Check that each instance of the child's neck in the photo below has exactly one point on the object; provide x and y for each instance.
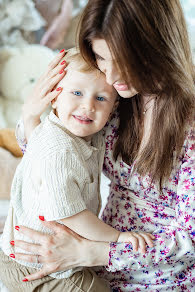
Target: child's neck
(87, 138)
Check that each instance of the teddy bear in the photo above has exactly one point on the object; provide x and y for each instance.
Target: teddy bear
(20, 68)
(19, 19)
(10, 156)
(8, 141)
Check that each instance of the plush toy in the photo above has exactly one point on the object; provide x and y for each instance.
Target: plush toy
(8, 164)
(62, 18)
(10, 156)
(19, 19)
(20, 68)
(8, 141)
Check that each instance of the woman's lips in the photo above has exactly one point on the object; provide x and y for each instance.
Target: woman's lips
(121, 87)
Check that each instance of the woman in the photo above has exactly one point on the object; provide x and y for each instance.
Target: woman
(143, 49)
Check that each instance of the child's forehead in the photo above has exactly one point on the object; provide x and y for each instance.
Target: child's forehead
(93, 80)
(74, 73)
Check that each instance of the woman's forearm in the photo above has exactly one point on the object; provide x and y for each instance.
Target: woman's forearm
(29, 126)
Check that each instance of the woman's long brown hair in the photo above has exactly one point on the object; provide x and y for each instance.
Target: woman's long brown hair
(149, 40)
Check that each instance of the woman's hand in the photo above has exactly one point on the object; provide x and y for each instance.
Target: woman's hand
(62, 250)
(43, 93)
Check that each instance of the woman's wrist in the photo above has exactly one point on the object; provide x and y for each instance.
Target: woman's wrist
(32, 119)
(96, 253)
(30, 123)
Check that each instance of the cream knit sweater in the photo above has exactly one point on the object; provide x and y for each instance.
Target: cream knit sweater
(58, 177)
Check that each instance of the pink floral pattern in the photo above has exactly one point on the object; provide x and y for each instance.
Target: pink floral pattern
(136, 204)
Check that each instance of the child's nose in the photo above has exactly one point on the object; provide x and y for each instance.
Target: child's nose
(88, 105)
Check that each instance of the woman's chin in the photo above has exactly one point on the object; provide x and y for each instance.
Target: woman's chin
(127, 93)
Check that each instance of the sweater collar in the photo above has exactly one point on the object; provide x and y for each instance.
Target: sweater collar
(86, 148)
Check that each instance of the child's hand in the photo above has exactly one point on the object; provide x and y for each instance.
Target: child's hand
(138, 240)
(43, 92)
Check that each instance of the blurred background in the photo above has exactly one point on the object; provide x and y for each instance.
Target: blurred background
(31, 33)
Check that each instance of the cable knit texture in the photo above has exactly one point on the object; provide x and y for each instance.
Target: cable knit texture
(58, 177)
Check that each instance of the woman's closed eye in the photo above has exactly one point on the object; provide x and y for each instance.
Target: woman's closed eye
(77, 93)
(98, 57)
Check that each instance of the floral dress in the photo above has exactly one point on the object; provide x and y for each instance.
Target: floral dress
(135, 204)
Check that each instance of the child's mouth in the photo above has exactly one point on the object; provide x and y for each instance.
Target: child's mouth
(83, 119)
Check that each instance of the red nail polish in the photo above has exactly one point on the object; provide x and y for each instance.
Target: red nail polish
(62, 51)
(42, 218)
(12, 242)
(62, 71)
(17, 228)
(59, 88)
(12, 255)
(25, 280)
(63, 62)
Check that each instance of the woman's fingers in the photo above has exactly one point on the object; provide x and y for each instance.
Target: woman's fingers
(31, 258)
(56, 60)
(61, 66)
(45, 271)
(38, 275)
(30, 247)
(49, 97)
(52, 65)
(34, 235)
(51, 83)
(37, 102)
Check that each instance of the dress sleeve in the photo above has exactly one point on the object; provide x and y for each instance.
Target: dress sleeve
(173, 244)
(20, 136)
(62, 183)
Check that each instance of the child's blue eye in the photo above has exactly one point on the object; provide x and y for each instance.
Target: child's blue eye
(77, 93)
(100, 98)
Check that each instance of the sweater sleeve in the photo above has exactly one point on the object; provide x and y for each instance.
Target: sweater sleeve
(61, 186)
(172, 244)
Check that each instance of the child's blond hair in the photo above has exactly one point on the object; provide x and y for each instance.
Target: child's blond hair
(73, 56)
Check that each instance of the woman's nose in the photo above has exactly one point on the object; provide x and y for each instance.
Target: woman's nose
(112, 74)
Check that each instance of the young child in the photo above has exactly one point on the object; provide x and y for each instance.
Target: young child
(59, 175)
